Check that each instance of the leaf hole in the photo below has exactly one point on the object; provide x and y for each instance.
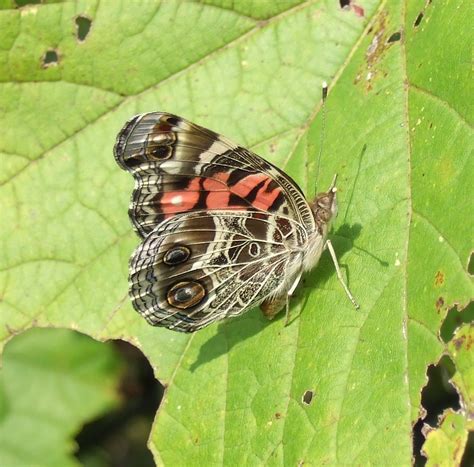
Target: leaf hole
(454, 319)
(83, 26)
(470, 264)
(121, 435)
(307, 398)
(437, 396)
(418, 19)
(351, 5)
(395, 37)
(50, 58)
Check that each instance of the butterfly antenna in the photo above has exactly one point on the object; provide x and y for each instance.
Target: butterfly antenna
(324, 93)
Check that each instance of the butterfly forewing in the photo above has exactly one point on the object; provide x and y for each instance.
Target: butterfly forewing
(181, 167)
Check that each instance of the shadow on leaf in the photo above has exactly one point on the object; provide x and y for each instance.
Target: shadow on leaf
(237, 330)
(229, 333)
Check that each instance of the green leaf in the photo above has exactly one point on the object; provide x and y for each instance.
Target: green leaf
(445, 445)
(398, 133)
(52, 381)
(460, 350)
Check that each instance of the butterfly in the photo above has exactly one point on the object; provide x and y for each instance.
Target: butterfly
(222, 230)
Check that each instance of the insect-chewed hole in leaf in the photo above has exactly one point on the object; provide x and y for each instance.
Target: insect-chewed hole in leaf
(121, 435)
(454, 319)
(395, 37)
(470, 265)
(344, 3)
(307, 397)
(50, 58)
(437, 396)
(418, 19)
(83, 26)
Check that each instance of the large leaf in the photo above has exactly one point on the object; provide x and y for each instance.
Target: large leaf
(398, 133)
(52, 381)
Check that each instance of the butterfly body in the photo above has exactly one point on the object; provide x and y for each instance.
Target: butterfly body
(222, 229)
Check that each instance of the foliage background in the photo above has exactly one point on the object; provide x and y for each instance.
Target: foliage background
(399, 136)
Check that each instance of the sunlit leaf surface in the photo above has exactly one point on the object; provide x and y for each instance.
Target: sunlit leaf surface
(398, 133)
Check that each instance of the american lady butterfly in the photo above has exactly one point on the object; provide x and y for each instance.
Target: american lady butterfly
(222, 229)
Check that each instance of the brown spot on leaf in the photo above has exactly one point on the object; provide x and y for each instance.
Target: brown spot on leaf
(439, 278)
(380, 43)
(278, 415)
(350, 5)
(469, 342)
(458, 343)
(439, 303)
(464, 340)
(358, 10)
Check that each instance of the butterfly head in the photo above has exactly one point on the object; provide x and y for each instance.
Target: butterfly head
(324, 206)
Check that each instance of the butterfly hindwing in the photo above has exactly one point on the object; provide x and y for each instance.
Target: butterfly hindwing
(200, 267)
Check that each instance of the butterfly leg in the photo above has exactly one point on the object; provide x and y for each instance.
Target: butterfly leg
(287, 310)
(290, 294)
(329, 246)
(271, 307)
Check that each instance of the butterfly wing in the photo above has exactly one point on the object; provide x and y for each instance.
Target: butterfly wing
(199, 267)
(181, 167)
